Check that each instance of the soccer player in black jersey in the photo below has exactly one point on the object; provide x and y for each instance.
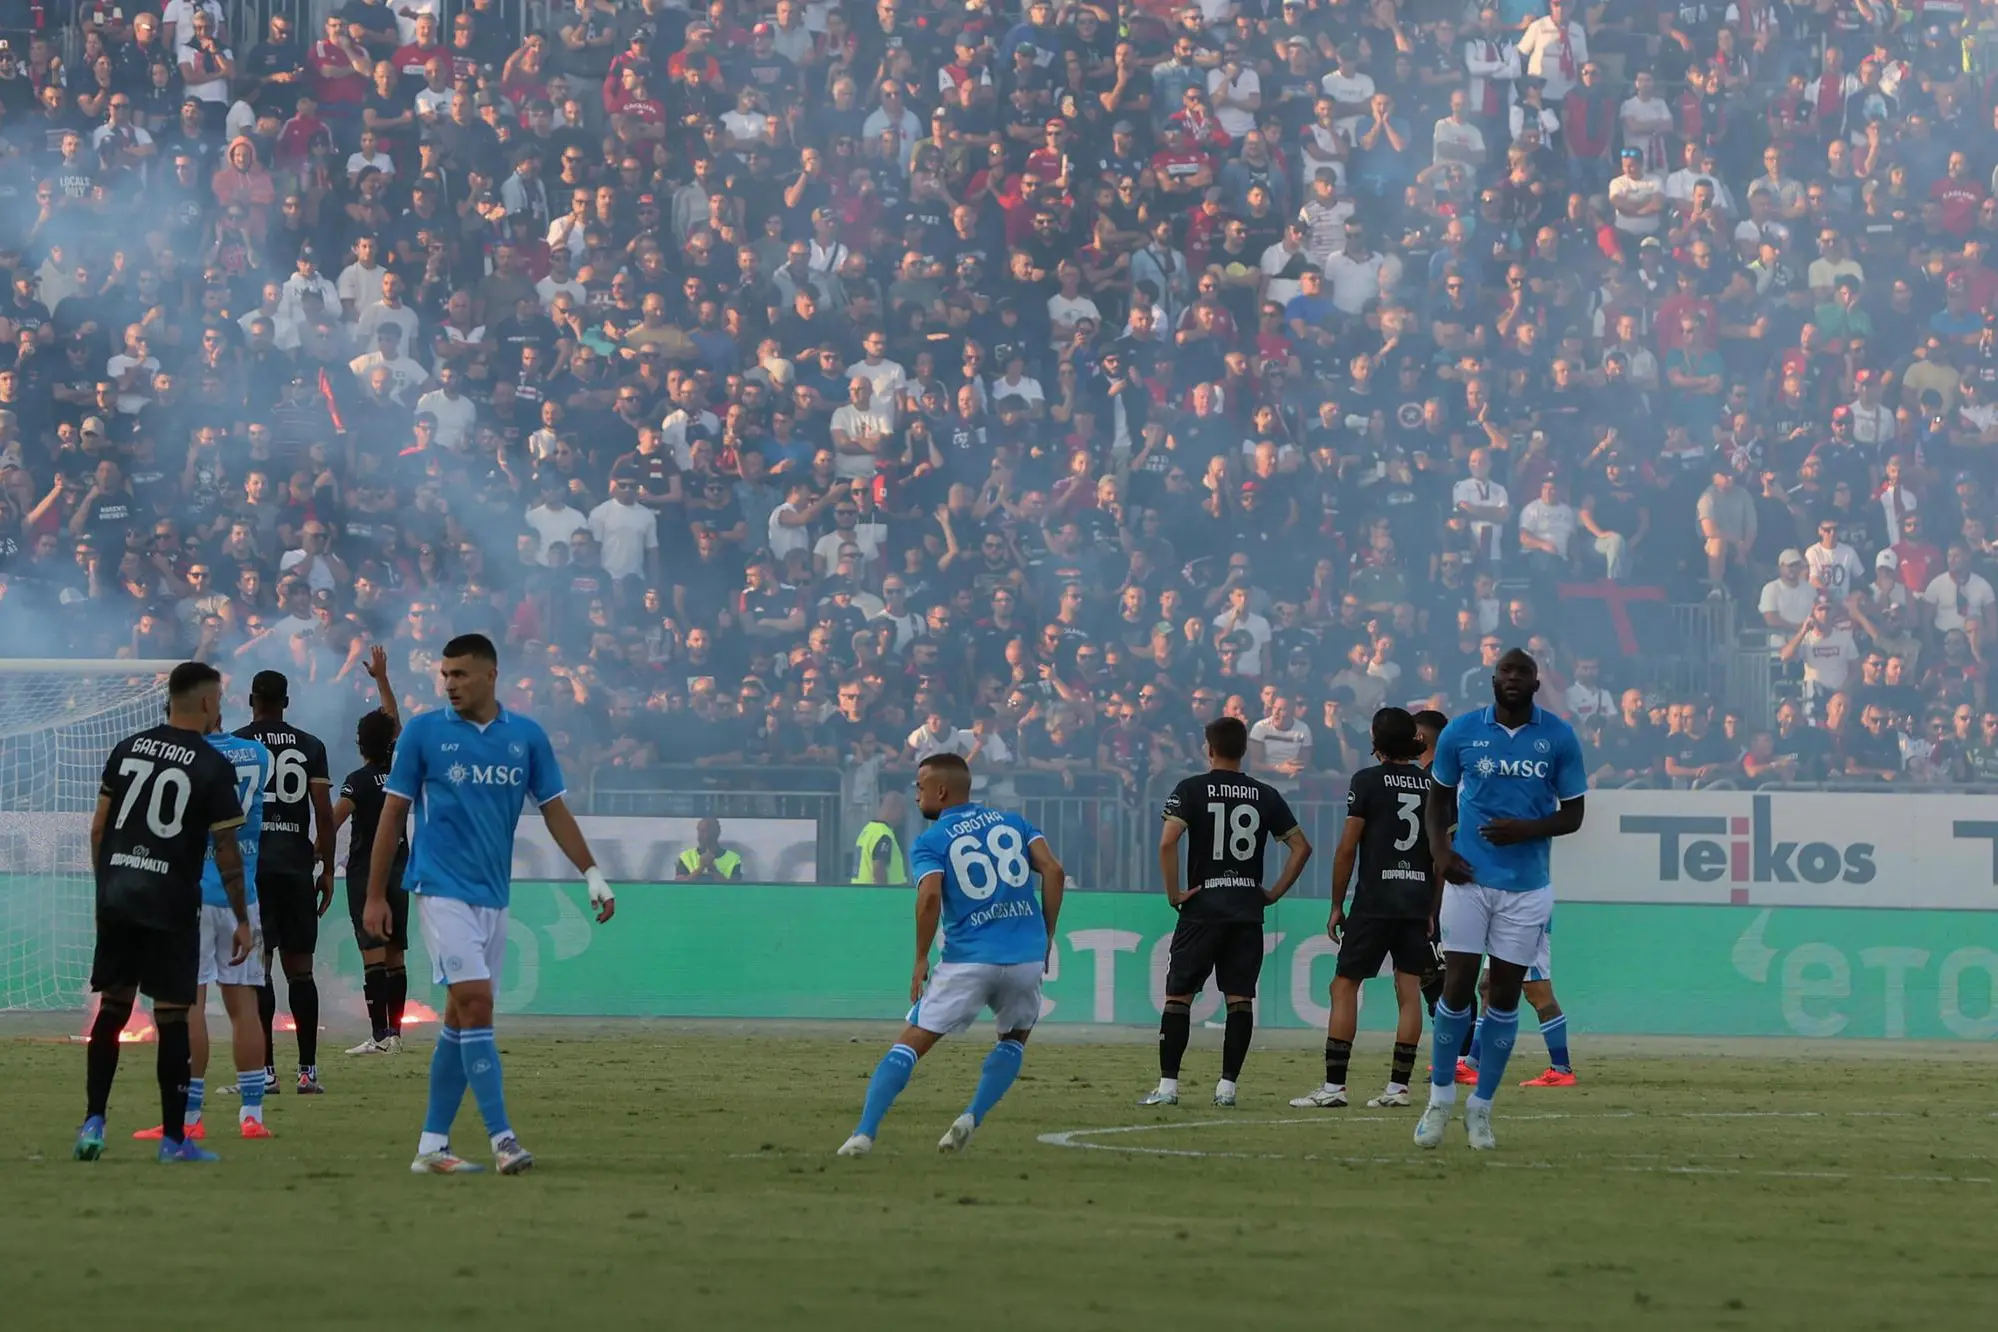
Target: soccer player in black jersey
(294, 869)
(1226, 819)
(1394, 901)
(384, 979)
(1429, 724)
(165, 792)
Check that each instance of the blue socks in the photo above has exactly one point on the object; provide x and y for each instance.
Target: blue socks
(481, 1063)
(995, 1077)
(1501, 1029)
(1555, 1033)
(1446, 1040)
(447, 1084)
(197, 1089)
(1470, 1055)
(891, 1075)
(250, 1084)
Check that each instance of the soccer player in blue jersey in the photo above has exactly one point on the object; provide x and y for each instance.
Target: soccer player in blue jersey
(1507, 781)
(974, 871)
(468, 769)
(241, 981)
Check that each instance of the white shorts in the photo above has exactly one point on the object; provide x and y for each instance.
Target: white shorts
(218, 940)
(959, 991)
(1511, 927)
(465, 942)
(1542, 966)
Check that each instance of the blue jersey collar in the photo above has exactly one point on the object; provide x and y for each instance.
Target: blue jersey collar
(480, 727)
(1491, 718)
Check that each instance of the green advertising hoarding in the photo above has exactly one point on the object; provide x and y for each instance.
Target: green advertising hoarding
(804, 952)
(796, 951)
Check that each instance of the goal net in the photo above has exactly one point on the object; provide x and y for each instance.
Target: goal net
(58, 719)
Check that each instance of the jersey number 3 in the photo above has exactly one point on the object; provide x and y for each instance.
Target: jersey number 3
(1411, 805)
(981, 865)
(1235, 829)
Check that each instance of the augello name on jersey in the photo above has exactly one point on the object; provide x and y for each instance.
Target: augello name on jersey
(161, 749)
(1406, 781)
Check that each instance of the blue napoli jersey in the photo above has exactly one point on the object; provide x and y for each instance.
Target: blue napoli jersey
(1501, 774)
(466, 784)
(991, 912)
(252, 763)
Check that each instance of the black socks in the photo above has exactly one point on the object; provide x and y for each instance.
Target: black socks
(101, 1061)
(374, 989)
(1235, 1040)
(174, 1070)
(1338, 1054)
(395, 997)
(1404, 1063)
(267, 1013)
(1175, 1028)
(304, 997)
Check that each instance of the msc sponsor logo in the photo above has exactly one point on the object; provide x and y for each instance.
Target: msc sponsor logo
(1504, 767)
(1708, 848)
(485, 774)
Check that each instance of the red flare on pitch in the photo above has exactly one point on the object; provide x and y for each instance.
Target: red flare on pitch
(415, 1014)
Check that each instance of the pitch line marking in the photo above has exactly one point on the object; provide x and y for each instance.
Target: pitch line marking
(1078, 1139)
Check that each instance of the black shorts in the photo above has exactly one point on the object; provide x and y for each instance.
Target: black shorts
(165, 965)
(398, 900)
(1371, 940)
(289, 910)
(1229, 950)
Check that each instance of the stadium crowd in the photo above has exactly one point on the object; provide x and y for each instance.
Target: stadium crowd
(817, 382)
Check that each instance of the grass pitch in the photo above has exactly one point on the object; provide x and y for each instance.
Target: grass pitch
(686, 1180)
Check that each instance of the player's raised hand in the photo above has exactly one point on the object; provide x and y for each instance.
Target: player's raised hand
(242, 943)
(918, 979)
(378, 662)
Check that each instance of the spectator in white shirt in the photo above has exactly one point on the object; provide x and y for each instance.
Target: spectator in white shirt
(1835, 568)
(406, 375)
(1238, 618)
(627, 531)
(1546, 525)
(1586, 697)
(454, 413)
(1484, 502)
(554, 519)
(1960, 599)
(937, 736)
(1279, 744)
(1787, 598)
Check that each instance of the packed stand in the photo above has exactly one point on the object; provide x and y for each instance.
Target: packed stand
(818, 384)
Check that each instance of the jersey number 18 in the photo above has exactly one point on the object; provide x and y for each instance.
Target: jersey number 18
(1235, 829)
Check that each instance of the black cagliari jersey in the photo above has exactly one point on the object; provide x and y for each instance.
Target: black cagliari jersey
(1396, 877)
(363, 790)
(298, 763)
(170, 790)
(1230, 818)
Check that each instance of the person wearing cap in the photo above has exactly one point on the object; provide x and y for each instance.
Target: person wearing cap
(1787, 599)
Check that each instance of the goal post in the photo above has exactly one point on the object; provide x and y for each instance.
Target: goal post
(58, 719)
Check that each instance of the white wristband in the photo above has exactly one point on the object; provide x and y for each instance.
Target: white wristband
(599, 886)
